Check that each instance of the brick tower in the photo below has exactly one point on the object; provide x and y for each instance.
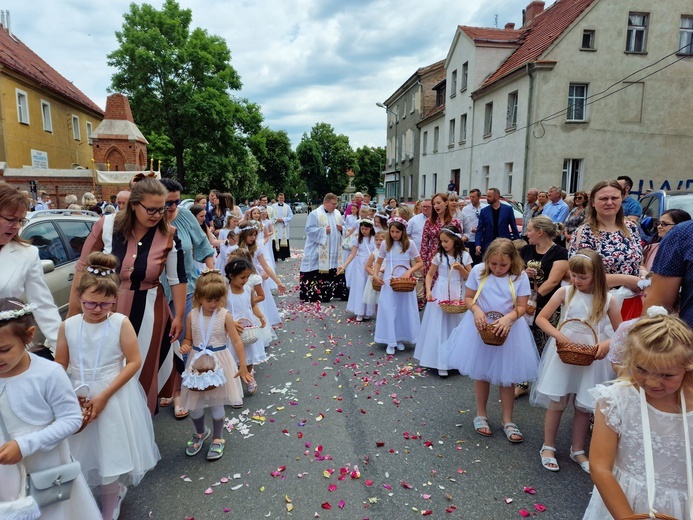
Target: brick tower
(117, 140)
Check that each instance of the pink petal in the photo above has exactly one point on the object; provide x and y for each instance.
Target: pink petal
(326, 505)
(540, 507)
(209, 491)
(524, 513)
(342, 503)
(406, 485)
(332, 487)
(387, 486)
(529, 490)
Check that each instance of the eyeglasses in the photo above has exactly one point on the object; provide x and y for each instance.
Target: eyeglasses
(578, 197)
(90, 306)
(153, 211)
(665, 224)
(15, 221)
(170, 203)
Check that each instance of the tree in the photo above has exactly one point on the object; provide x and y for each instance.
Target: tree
(178, 81)
(276, 159)
(369, 169)
(325, 158)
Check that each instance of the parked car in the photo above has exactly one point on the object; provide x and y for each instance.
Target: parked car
(657, 202)
(59, 235)
(299, 207)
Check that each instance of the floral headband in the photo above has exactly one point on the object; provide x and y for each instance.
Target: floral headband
(23, 310)
(458, 235)
(397, 219)
(250, 223)
(381, 215)
(103, 271)
(366, 221)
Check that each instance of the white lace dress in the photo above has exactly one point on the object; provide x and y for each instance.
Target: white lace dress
(620, 404)
(239, 305)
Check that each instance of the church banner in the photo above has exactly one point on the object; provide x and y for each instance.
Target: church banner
(111, 177)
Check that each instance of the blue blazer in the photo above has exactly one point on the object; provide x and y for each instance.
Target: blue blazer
(507, 227)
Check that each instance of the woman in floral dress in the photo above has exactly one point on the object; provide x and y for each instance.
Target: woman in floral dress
(440, 216)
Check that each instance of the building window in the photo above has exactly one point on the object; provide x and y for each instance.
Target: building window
(453, 81)
(411, 187)
(485, 174)
(686, 36)
(488, 120)
(402, 144)
(436, 137)
(423, 186)
(588, 40)
(22, 107)
(636, 40)
(511, 117)
(46, 113)
(412, 136)
(404, 108)
(508, 188)
(75, 128)
(89, 130)
(463, 128)
(440, 97)
(435, 183)
(425, 143)
(413, 101)
(577, 102)
(465, 76)
(572, 175)
(451, 140)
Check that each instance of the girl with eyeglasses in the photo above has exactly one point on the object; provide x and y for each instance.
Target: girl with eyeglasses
(146, 246)
(116, 448)
(668, 220)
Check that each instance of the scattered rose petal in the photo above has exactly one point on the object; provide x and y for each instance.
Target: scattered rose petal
(387, 486)
(227, 510)
(236, 488)
(209, 491)
(524, 513)
(540, 507)
(426, 512)
(529, 490)
(326, 505)
(332, 487)
(406, 485)
(320, 417)
(450, 509)
(342, 503)
(369, 483)
(426, 496)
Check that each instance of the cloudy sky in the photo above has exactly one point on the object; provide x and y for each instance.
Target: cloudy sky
(303, 61)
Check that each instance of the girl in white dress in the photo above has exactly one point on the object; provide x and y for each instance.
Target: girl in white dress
(453, 264)
(350, 231)
(268, 235)
(370, 295)
(357, 277)
(248, 240)
(239, 302)
(39, 412)
(211, 329)
(587, 299)
(659, 366)
(100, 348)
(398, 319)
(497, 284)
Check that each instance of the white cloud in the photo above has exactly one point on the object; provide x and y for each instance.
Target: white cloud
(303, 61)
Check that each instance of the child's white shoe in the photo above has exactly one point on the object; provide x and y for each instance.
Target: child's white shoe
(400, 346)
(390, 350)
(359, 318)
(584, 465)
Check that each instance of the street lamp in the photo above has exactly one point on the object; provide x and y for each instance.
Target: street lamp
(387, 110)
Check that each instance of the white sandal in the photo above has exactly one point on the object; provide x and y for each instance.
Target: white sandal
(584, 465)
(545, 461)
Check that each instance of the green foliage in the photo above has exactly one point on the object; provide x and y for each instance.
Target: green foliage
(370, 162)
(276, 160)
(178, 82)
(325, 158)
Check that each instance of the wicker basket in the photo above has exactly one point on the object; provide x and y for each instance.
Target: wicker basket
(532, 303)
(86, 413)
(488, 333)
(577, 353)
(402, 284)
(251, 333)
(452, 306)
(376, 285)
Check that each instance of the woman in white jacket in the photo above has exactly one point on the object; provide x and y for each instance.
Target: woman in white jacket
(21, 274)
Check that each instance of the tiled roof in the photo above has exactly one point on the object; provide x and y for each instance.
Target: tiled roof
(21, 59)
(539, 34)
(435, 110)
(488, 34)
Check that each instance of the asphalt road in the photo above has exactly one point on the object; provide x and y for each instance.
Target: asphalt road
(337, 430)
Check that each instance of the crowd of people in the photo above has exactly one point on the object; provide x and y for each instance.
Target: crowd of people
(175, 306)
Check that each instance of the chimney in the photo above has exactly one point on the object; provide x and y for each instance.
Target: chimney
(9, 26)
(533, 9)
(510, 26)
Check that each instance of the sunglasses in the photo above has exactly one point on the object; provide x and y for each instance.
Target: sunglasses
(579, 197)
(90, 306)
(153, 211)
(170, 203)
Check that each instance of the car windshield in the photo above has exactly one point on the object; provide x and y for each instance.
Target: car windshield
(684, 202)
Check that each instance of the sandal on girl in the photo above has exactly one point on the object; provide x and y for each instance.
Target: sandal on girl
(195, 444)
(548, 461)
(481, 423)
(180, 413)
(584, 465)
(511, 429)
(216, 450)
(165, 401)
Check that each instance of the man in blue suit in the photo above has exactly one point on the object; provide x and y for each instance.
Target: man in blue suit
(495, 220)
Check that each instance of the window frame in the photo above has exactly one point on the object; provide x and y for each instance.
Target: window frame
(488, 119)
(683, 33)
(425, 142)
(22, 108)
(511, 112)
(570, 111)
(47, 121)
(76, 131)
(463, 129)
(90, 129)
(633, 30)
(453, 80)
(436, 138)
(592, 33)
(423, 185)
(465, 76)
(451, 131)
(572, 180)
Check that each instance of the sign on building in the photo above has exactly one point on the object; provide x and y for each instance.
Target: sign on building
(39, 159)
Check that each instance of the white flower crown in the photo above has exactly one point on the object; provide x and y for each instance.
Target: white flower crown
(100, 271)
(23, 310)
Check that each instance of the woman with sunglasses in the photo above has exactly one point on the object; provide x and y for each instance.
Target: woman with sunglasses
(146, 245)
(577, 215)
(668, 220)
(22, 273)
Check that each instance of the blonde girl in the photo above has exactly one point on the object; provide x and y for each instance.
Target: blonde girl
(659, 381)
(586, 299)
(452, 264)
(497, 284)
(116, 448)
(398, 319)
(239, 302)
(209, 329)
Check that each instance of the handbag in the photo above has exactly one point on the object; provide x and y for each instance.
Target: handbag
(52, 485)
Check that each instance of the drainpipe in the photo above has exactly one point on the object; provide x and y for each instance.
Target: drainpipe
(471, 145)
(528, 130)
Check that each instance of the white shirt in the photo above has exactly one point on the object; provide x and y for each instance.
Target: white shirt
(415, 229)
(471, 220)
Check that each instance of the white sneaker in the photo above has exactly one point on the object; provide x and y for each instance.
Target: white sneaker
(359, 318)
(443, 373)
(122, 491)
(390, 350)
(400, 346)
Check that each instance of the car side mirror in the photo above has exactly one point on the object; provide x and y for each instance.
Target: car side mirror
(48, 266)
